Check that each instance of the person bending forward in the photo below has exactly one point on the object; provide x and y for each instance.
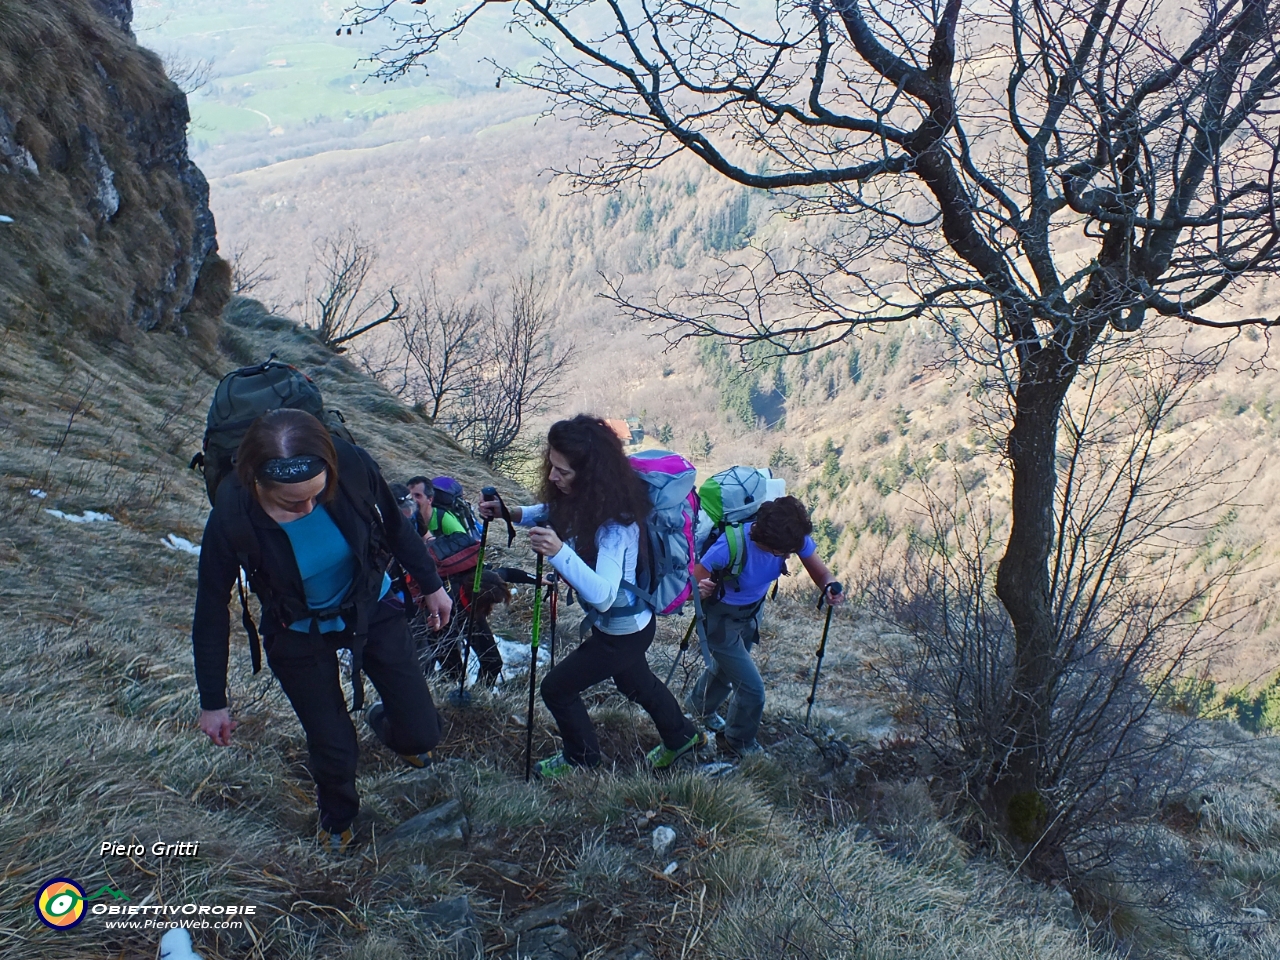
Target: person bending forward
(781, 527)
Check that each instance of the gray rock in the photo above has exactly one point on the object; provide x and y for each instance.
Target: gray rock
(545, 943)
(119, 12)
(552, 913)
(105, 201)
(444, 825)
(14, 157)
(632, 951)
(664, 839)
(506, 869)
(453, 922)
(449, 914)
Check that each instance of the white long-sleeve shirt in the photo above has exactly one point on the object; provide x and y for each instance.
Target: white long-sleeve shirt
(617, 553)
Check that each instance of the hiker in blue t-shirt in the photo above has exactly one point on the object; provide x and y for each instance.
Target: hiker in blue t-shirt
(781, 527)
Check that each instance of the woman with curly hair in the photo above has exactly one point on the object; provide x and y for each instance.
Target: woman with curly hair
(595, 506)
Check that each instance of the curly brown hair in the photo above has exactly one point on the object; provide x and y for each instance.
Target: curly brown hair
(782, 524)
(493, 591)
(605, 488)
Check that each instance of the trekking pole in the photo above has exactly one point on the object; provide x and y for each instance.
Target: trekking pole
(684, 645)
(533, 670)
(553, 609)
(834, 589)
(488, 493)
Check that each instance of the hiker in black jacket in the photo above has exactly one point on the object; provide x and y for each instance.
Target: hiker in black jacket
(311, 519)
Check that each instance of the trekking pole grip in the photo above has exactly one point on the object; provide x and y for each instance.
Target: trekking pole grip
(491, 493)
(832, 589)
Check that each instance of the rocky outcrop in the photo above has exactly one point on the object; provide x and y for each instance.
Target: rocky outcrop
(119, 12)
(111, 223)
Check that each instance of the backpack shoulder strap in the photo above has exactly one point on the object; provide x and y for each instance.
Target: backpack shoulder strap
(736, 535)
(353, 477)
(232, 502)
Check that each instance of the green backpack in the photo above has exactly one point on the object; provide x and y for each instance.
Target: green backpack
(244, 395)
(729, 499)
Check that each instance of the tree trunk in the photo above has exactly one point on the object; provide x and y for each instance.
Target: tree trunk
(1022, 584)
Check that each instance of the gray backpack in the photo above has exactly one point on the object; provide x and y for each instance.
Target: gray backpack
(242, 397)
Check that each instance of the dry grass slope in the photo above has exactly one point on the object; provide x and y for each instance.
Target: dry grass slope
(98, 740)
(799, 853)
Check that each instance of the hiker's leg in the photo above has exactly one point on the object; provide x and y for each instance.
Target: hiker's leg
(485, 649)
(637, 682)
(309, 678)
(713, 686)
(391, 665)
(592, 662)
(733, 660)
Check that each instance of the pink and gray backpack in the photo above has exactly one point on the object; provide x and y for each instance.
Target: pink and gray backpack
(665, 580)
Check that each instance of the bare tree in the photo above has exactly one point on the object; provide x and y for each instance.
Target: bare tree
(340, 309)
(1041, 179)
(189, 73)
(440, 351)
(1131, 625)
(518, 375)
(249, 270)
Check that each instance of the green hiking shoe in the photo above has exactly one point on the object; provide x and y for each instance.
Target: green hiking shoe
(376, 718)
(662, 756)
(554, 768)
(335, 843)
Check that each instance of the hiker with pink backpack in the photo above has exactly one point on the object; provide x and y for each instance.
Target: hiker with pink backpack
(600, 525)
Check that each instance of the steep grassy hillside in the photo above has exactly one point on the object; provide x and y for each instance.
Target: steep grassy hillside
(99, 741)
(107, 223)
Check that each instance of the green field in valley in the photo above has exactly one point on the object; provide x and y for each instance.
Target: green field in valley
(276, 67)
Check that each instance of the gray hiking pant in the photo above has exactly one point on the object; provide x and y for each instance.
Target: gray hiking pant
(731, 633)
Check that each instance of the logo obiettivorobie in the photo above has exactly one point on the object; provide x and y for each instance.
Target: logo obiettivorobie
(60, 902)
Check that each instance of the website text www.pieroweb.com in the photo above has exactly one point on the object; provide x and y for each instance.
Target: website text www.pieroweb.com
(62, 903)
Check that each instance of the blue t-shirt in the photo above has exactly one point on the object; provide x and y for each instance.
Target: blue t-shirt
(762, 568)
(326, 564)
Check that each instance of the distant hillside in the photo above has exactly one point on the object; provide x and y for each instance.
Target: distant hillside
(856, 428)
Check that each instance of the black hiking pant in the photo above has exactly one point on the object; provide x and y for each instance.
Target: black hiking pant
(483, 647)
(307, 669)
(598, 658)
(447, 647)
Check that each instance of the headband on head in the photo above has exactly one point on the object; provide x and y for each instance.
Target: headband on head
(292, 469)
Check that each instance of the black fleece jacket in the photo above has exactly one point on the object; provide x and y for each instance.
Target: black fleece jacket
(211, 624)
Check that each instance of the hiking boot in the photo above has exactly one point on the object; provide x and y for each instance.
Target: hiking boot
(554, 768)
(713, 722)
(662, 756)
(735, 749)
(334, 842)
(376, 718)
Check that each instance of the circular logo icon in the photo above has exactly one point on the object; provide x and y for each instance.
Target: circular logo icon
(60, 903)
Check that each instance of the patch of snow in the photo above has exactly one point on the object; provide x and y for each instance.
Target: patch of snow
(717, 769)
(515, 656)
(175, 542)
(89, 516)
(39, 494)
